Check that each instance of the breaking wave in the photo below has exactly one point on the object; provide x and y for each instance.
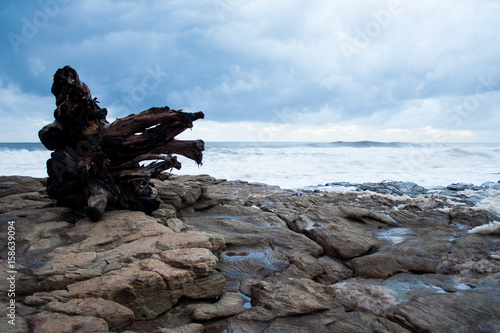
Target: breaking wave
(300, 165)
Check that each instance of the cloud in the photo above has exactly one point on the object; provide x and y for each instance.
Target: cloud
(21, 113)
(321, 133)
(381, 64)
(390, 131)
(245, 131)
(36, 65)
(439, 134)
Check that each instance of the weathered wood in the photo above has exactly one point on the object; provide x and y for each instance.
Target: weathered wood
(190, 149)
(96, 164)
(137, 135)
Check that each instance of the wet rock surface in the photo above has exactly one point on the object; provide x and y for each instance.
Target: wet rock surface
(223, 256)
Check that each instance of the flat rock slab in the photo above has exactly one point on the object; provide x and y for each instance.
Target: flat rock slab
(62, 323)
(344, 240)
(289, 297)
(343, 231)
(416, 255)
(230, 304)
(471, 311)
(117, 316)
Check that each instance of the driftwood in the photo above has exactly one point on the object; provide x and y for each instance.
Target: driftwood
(96, 164)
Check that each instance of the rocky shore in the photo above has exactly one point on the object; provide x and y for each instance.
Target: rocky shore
(226, 256)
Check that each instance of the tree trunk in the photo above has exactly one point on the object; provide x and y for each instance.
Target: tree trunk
(96, 164)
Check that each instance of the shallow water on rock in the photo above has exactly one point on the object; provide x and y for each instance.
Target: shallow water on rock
(405, 286)
(241, 254)
(393, 235)
(250, 263)
(248, 303)
(313, 225)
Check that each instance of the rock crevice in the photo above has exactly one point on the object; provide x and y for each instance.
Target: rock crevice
(242, 257)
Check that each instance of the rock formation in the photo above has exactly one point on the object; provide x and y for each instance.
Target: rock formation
(220, 256)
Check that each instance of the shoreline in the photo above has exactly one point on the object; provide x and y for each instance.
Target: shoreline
(231, 255)
(468, 192)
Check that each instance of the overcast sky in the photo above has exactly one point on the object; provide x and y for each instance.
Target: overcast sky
(281, 70)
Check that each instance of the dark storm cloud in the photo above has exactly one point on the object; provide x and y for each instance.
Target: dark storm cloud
(385, 64)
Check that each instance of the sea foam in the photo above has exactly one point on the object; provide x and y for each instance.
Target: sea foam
(492, 228)
(301, 165)
(491, 202)
(23, 162)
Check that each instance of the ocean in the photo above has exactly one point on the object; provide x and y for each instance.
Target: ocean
(309, 165)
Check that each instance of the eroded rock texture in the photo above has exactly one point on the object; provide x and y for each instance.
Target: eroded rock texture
(221, 256)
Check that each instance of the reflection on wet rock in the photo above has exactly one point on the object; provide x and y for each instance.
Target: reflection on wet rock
(222, 256)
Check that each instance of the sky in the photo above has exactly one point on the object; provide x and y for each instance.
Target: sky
(281, 70)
